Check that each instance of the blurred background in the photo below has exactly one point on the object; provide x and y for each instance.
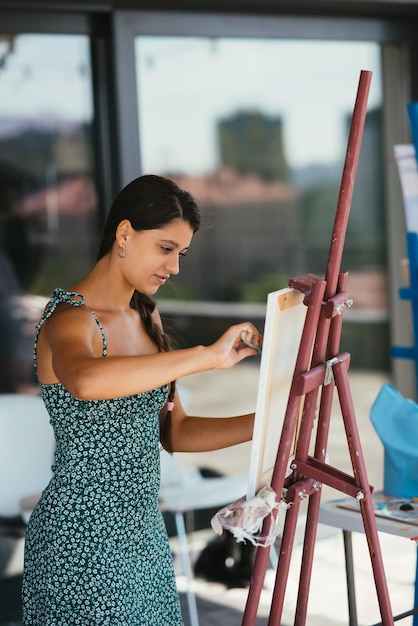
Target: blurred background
(248, 106)
(251, 113)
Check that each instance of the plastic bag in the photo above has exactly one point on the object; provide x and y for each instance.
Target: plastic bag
(244, 518)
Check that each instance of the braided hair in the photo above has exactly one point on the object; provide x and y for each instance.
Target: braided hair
(150, 202)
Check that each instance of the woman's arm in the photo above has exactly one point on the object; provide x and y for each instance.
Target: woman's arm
(183, 433)
(71, 337)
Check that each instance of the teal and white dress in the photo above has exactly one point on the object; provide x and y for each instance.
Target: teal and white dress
(96, 548)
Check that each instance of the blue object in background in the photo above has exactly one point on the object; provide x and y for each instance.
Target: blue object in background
(395, 420)
(411, 293)
(413, 122)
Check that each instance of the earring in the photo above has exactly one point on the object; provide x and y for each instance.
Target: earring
(121, 252)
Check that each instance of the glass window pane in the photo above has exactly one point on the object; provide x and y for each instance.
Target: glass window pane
(47, 194)
(258, 130)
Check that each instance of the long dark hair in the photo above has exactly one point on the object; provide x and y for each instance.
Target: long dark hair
(150, 202)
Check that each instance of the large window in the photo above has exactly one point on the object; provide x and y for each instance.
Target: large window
(47, 195)
(257, 130)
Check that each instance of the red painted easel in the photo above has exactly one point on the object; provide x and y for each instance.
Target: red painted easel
(319, 369)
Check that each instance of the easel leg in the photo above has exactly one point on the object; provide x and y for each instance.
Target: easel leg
(307, 559)
(366, 504)
(262, 555)
(282, 572)
(313, 508)
(256, 587)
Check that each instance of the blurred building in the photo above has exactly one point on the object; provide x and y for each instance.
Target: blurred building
(252, 142)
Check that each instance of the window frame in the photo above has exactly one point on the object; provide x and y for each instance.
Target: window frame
(98, 28)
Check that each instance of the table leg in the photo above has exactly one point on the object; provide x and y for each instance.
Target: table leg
(415, 620)
(349, 569)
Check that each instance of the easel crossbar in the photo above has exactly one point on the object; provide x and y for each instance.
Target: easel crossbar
(309, 381)
(330, 476)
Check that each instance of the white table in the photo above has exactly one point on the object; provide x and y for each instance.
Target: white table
(332, 514)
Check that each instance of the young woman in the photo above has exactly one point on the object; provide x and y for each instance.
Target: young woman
(96, 550)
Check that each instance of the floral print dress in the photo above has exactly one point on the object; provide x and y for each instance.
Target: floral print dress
(96, 548)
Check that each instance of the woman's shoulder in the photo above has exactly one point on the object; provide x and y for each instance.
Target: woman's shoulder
(63, 304)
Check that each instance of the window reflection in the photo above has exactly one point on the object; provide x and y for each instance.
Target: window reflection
(257, 130)
(47, 194)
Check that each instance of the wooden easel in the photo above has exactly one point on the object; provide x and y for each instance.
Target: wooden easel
(319, 366)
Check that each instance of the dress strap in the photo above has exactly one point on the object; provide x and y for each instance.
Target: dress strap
(69, 297)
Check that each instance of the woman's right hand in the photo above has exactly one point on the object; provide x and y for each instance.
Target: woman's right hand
(230, 348)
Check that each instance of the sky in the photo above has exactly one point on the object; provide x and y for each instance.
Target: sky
(186, 85)
(47, 75)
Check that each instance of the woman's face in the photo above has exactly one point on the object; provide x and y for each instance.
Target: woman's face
(152, 256)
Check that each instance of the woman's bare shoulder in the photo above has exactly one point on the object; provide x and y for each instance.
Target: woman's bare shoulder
(68, 320)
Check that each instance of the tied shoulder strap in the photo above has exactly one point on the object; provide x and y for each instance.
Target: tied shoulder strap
(69, 297)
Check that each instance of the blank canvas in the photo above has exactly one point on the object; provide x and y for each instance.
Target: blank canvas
(285, 318)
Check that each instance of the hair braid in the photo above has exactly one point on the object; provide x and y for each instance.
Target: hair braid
(145, 307)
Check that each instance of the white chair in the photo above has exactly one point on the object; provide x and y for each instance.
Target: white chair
(187, 490)
(26, 451)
